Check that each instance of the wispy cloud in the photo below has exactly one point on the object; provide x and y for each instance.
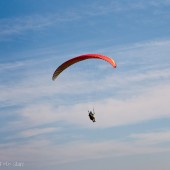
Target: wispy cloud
(148, 88)
(19, 25)
(37, 101)
(45, 123)
(45, 151)
(36, 132)
(152, 138)
(13, 66)
(151, 104)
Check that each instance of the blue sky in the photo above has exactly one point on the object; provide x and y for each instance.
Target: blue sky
(44, 123)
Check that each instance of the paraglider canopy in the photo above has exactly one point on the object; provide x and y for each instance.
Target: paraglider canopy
(81, 58)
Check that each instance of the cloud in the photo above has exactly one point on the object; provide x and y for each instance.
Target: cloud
(129, 94)
(12, 66)
(44, 111)
(110, 112)
(152, 104)
(41, 153)
(19, 25)
(36, 131)
(152, 138)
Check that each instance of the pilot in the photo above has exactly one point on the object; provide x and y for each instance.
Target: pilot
(91, 116)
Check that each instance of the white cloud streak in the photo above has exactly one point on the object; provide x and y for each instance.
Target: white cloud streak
(152, 104)
(31, 23)
(13, 26)
(149, 103)
(152, 138)
(37, 131)
(45, 151)
(148, 92)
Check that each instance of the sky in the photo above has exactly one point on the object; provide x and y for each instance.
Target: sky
(44, 124)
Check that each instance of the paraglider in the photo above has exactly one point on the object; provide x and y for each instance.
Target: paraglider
(91, 115)
(72, 61)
